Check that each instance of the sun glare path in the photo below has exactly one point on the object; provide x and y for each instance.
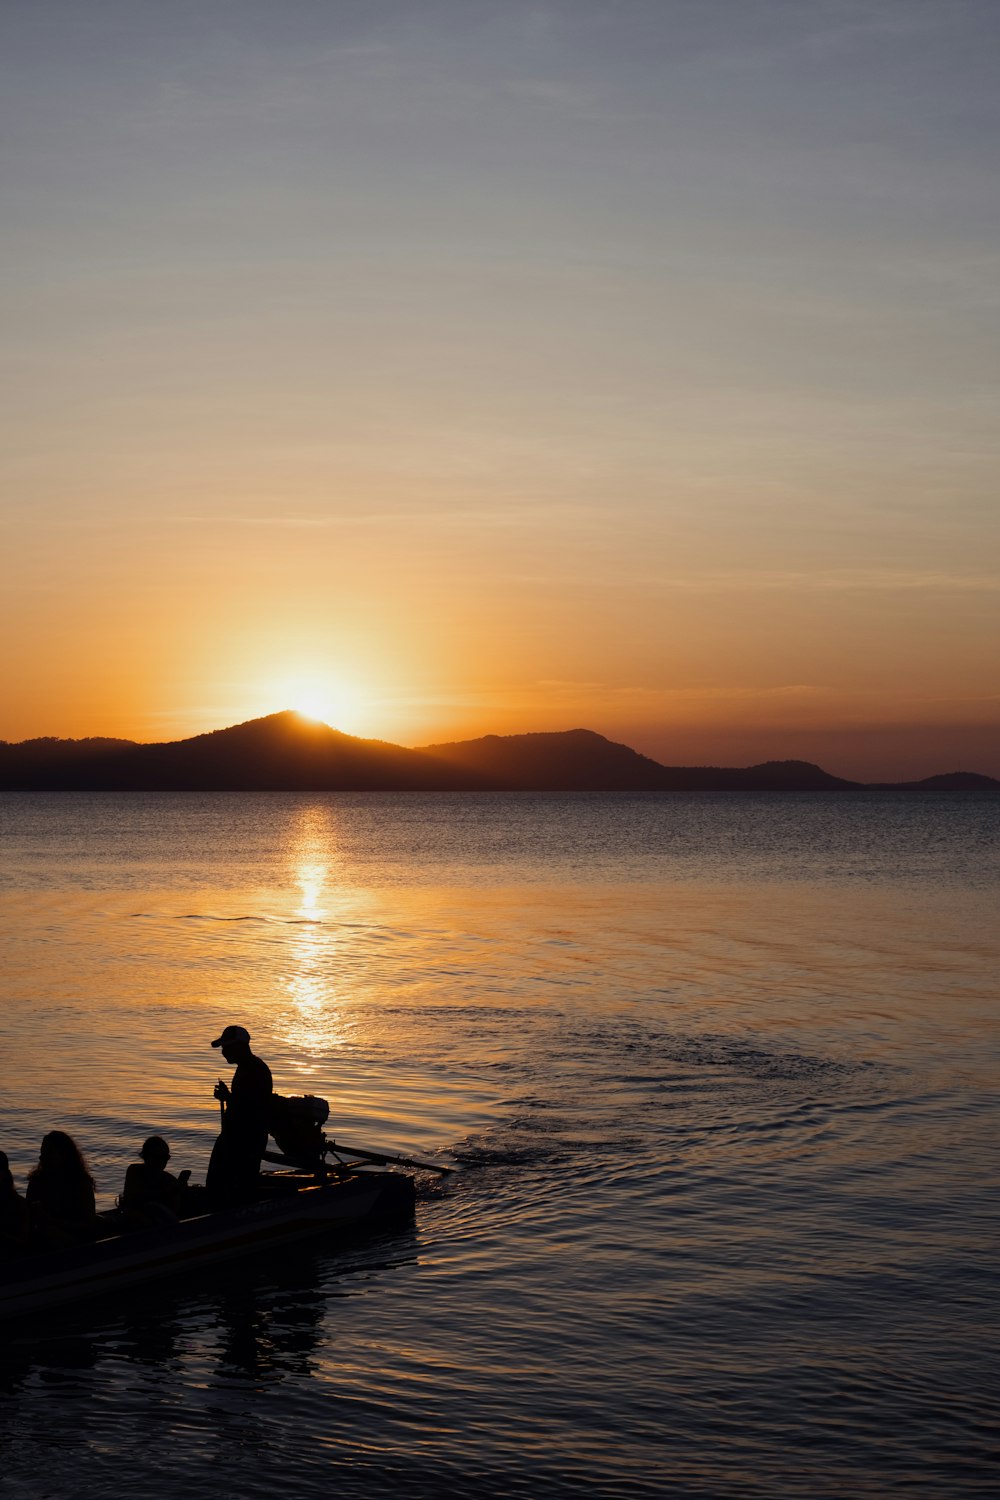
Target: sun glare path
(312, 1023)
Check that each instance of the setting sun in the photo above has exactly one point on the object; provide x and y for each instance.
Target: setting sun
(337, 703)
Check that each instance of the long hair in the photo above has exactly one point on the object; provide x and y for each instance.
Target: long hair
(60, 1156)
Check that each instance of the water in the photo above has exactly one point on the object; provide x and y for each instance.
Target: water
(717, 1076)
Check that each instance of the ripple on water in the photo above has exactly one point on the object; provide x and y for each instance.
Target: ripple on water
(723, 1214)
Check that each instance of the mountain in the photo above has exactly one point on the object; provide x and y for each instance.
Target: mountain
(571, 760)
(50, 751)
(951, 781)
(580, 760)
(285, 752)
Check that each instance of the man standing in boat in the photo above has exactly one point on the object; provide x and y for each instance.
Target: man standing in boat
(246, 1111)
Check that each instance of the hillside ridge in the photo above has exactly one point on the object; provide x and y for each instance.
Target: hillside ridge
(286, 752)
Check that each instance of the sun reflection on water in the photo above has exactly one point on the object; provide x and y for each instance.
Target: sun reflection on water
(314, 1021)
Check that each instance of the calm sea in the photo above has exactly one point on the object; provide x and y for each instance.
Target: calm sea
(717, 1075)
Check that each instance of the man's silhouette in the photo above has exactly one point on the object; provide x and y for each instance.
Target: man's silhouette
(246, 1110)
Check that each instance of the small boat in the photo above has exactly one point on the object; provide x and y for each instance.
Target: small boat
(324, 1185)
(292, 1206)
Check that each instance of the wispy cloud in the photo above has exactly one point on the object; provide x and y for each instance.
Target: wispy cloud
(845, 580)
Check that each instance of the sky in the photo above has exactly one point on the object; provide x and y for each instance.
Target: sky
(449, 367)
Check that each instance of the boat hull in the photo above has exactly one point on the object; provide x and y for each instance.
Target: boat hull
(365, 1200)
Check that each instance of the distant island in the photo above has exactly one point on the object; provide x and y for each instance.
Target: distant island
(285, 752)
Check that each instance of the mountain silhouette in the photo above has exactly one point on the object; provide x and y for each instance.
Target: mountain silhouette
(543, 762)
(282, 752)
(951, 781)
(286, 752)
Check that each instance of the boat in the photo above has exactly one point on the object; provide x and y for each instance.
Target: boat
(292, 1206)
(322, 1186)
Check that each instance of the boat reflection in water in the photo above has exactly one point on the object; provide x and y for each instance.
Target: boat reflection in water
(261, 1320)
(291, 1206)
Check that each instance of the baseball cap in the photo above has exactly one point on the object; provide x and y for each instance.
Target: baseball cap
(232, 1034)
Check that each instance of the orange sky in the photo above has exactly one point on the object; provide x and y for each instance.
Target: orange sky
(483, 375)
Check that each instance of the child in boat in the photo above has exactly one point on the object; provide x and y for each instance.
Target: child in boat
(60, 1195)
(151, 1193)
(13, 1214)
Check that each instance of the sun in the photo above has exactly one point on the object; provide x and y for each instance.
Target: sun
(339, 703)
(314, 706)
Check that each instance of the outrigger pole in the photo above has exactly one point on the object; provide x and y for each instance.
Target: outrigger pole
(335, 1148)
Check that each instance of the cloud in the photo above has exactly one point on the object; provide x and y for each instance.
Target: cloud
(846, 580)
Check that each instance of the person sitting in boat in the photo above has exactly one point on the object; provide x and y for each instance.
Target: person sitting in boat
(13, 1214)
(234, 1168)
(151, 1194)
(60, 1195)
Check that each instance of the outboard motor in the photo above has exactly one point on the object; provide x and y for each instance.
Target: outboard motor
(297, 1127)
